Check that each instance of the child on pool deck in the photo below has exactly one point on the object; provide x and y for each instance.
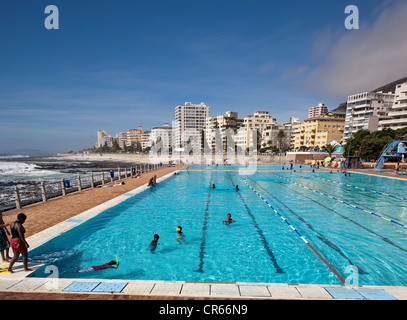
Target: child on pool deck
(4, 242)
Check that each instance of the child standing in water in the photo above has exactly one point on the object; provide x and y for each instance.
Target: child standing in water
(153, 244)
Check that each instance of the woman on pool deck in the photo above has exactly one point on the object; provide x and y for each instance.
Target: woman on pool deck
(18, 242)
(95, 268)
(229, 219)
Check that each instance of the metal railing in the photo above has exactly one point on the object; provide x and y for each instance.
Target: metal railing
(20, 197)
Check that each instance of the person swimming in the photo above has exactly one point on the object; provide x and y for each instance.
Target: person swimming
(180, 235)
(95, 268)
(213, 186)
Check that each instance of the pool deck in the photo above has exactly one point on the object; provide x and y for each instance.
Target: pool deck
(49, 219)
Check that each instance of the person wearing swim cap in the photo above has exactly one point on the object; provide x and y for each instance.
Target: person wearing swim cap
(180, 235)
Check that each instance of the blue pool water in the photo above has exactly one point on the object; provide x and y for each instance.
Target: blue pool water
(327, 209)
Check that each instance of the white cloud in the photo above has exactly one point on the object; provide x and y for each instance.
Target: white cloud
(363, 59)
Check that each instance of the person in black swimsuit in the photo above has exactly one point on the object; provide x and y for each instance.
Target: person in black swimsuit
(18, 242)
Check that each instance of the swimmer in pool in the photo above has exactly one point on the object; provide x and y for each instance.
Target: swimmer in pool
(180, 235)
(213, 186)
(153, 244)
(95, 268)
(229, 219)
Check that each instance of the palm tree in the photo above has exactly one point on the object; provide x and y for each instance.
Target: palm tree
(280, 137)
(330, 148)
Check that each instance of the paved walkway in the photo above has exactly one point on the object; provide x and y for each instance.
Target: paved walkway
(43, 215)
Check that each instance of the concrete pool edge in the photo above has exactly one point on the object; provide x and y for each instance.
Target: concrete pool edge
(20, 283)
(185, 290)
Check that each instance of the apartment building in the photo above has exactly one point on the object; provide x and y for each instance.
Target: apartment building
(146, 140)
(222, 127)
(319, 131)
(162, 134)
(134, 138)
(317, 111)
(397, 115)
(365, 111)
(189, 122)
(101, 135)
(121, 139)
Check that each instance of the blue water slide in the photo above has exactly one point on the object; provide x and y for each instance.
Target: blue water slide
(388, 149)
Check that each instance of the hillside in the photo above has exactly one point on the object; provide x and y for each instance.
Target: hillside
(391, 87)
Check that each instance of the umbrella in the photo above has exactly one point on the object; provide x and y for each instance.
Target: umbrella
(327, 159)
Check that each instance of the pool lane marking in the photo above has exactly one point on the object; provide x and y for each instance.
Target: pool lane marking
(298, 233)
(309, 225)
(346, 218)
(364, 189)
(260, 232)
(344, 202)
(202, 247)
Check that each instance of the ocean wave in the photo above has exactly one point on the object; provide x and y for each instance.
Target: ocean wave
(14, 156)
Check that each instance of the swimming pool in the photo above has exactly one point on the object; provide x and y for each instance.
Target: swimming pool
(354, 220)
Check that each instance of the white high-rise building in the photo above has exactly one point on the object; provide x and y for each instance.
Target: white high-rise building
(101, 134)
(398, 113)
(225, 126)
(122, 140)
(189, 123)
(365, 110)
(162, 134)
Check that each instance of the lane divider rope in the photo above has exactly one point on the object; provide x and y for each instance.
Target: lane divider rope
(364, 189)
(297, 232)
(344, 202)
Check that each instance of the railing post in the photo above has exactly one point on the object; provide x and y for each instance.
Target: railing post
(44, 195)
(17, 196)
(79, 183)
(63, 187)
(92, 181)
(103, 178)
(118, 173)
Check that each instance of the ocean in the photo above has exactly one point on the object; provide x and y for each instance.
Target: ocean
(27, 172)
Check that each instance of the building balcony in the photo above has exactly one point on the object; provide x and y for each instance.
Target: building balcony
(400, 105)
(393, 121)
(397, 113)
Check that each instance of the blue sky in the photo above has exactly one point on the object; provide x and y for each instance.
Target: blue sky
(116, 65)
